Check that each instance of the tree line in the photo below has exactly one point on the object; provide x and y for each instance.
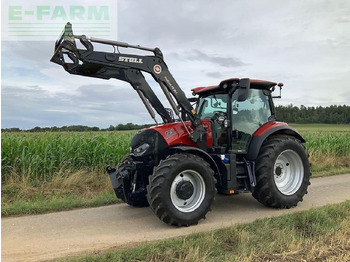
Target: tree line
(79, 128)
(301, 115)
(291, 114)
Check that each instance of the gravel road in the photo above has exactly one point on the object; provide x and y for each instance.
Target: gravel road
(55, 235)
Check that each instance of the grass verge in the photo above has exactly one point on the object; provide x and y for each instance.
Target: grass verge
(20, 196)
(78, 190)
(68, 202)
(331, 172)
(320, 234)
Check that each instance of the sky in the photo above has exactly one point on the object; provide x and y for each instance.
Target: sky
(304, 44)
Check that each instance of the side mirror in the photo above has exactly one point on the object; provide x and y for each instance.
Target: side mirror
(192, 99)
(280, 86)
(244, 85)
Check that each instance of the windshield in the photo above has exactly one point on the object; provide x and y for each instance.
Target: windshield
(208, 106)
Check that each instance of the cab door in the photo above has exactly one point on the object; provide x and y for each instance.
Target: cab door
(214, 107)
(248, 116)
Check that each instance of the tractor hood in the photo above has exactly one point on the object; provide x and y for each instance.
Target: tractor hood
(154, 140)
(175, 133)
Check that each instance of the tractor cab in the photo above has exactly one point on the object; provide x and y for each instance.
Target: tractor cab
(235, 112)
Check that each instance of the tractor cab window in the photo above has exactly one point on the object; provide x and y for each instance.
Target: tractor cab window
(214, 108)
(247, 117)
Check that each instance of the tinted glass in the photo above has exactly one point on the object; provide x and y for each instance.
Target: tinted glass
(248, 116)
(209, 105)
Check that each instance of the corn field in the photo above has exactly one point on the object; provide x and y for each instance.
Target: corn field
(39, 156)
(328, 144)
(42, 155)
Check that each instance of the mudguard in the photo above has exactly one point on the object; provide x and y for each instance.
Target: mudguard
(201, 153)
(266, 130)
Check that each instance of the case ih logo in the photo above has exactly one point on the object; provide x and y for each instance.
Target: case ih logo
(169, 132)
(130, 59)
(157, 69)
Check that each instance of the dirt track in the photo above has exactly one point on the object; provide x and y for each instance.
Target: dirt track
(49, 236)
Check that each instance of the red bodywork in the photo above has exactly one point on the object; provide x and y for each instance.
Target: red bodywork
(175, 133)
(267, 126)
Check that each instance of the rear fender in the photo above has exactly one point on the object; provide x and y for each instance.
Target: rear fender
(267, 130)
(201, 153)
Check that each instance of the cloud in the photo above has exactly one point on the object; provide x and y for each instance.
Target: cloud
(303, 44)
(94, 105)
(223, 61)
(214, 74)
(343, 19)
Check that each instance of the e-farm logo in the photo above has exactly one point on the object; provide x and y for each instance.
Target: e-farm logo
(45, 19)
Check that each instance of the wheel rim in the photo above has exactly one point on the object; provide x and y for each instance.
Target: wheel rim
(197, 197)
(288, 172)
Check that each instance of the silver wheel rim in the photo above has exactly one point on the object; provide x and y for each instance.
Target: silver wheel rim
(288, 172)
(192, 203)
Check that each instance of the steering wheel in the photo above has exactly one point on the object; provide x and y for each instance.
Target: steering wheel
(219, 117)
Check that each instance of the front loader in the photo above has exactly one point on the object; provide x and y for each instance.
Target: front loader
(229, 143)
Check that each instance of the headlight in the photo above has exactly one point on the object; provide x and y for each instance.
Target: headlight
(140, 150)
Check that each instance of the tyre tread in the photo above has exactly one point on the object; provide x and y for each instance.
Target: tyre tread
(263, 191)
(157, 179)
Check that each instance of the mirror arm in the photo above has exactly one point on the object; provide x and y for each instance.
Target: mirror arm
(280, 96)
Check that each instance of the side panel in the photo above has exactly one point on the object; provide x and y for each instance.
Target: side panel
(175, 133)
(266, 130)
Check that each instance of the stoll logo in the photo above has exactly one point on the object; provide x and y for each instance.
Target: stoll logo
(44, 19)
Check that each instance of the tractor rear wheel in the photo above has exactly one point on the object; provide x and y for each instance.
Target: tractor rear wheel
(181, 189)
(282, 172)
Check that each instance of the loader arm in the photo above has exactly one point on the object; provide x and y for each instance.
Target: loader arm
(129, 68)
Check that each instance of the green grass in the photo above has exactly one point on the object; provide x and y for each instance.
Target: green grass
(328, 146)
(321, 127)
(41, 155)
(56, 203)
(320, 234)
(63, 192)
(44, 167)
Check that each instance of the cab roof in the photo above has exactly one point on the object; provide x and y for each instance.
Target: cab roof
(254, 83)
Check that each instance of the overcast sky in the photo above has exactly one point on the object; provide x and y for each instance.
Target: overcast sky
(304, 44)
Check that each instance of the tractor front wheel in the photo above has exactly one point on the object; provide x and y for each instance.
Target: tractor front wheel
(181, 189)
(282, 172)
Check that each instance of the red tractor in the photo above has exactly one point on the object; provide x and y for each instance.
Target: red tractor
(229, 143)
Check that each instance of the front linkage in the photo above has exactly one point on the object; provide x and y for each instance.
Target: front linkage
(124, 181)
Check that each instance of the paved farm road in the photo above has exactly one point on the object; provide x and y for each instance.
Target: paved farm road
(49, 236)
